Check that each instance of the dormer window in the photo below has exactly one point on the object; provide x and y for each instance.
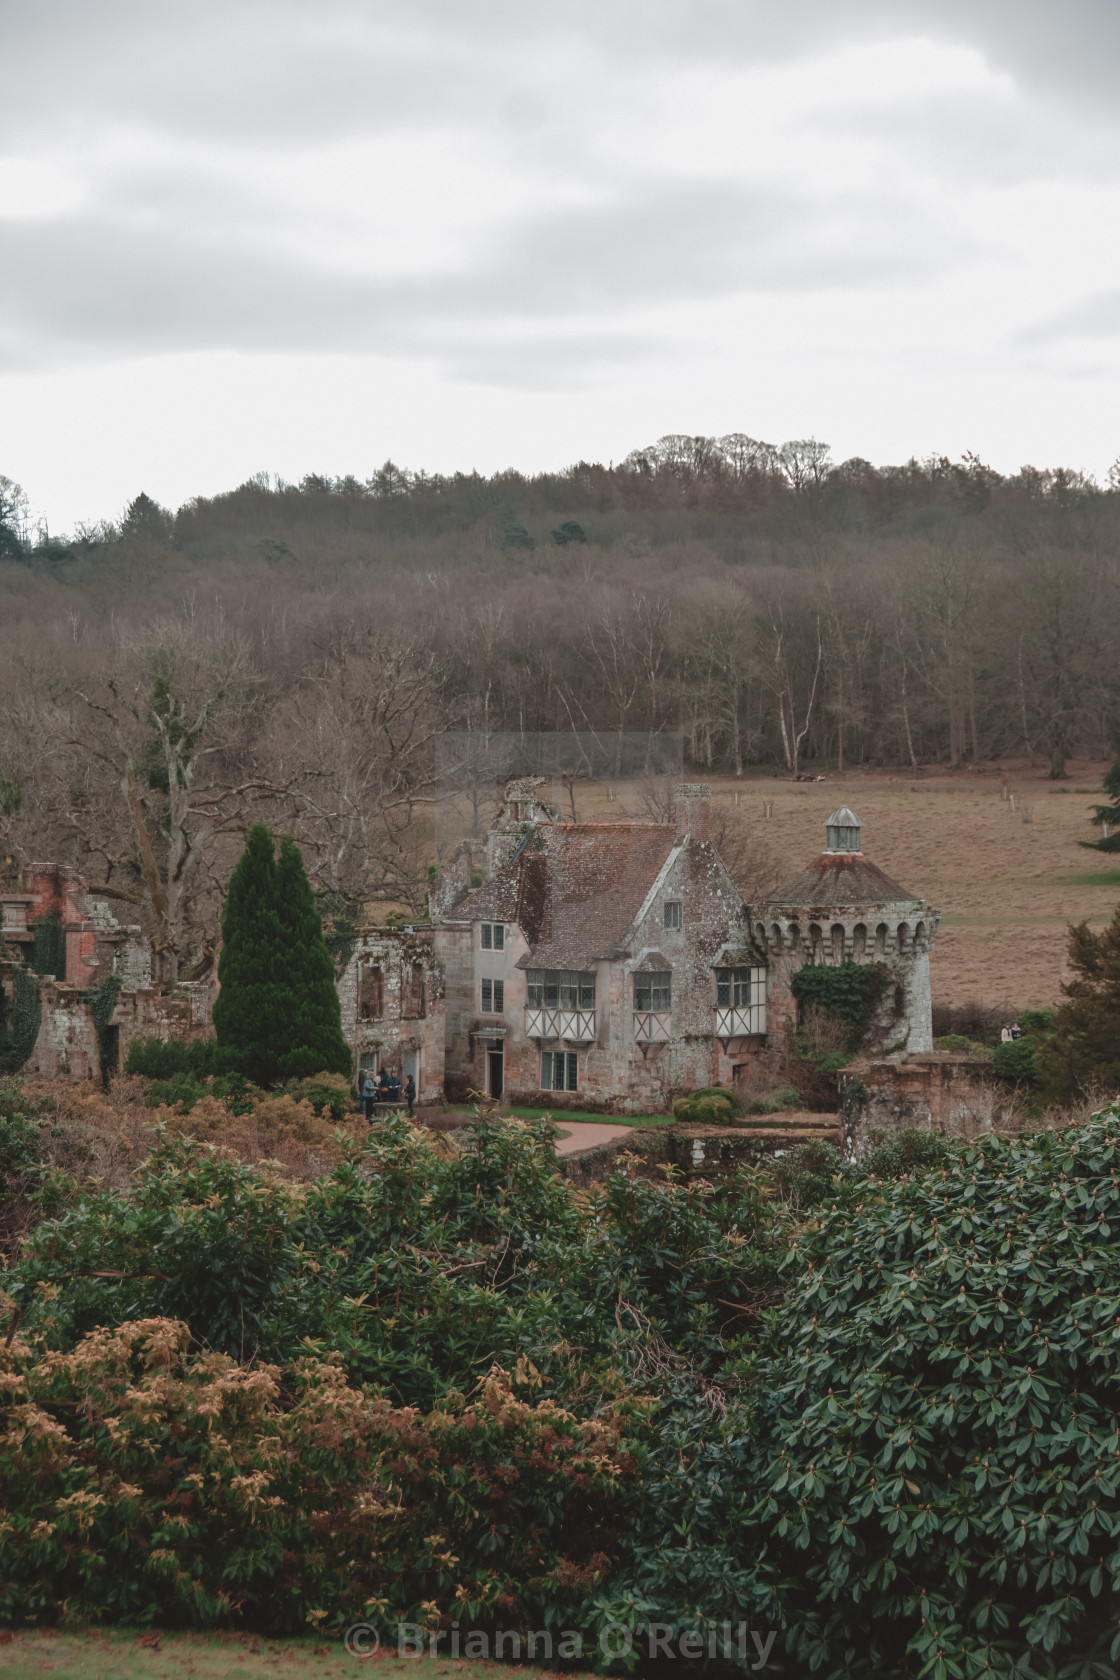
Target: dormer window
(842, 830)
(493, 936)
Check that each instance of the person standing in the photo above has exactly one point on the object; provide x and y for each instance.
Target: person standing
(1005, 1035)
(410, 1093)
(367, 1094)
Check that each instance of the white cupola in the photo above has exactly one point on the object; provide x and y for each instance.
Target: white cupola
(842, 830)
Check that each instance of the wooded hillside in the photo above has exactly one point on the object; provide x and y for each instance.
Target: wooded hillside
(290, 652)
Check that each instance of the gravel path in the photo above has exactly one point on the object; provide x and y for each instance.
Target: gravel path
(586, 1134)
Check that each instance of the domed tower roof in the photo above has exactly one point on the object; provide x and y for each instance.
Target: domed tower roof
(841, 874)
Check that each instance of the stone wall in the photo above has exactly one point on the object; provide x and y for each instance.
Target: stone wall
(934, 1092)
(391, 994)
(67, 1046)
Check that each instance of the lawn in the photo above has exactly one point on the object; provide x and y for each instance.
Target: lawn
(97, 1654)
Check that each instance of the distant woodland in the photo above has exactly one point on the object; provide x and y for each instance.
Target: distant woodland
(289, 652)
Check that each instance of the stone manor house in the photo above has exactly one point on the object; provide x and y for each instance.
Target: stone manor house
(588, 965)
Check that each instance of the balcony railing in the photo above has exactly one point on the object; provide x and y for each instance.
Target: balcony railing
(577, 1026)
(652, 1026)
(740, 1023)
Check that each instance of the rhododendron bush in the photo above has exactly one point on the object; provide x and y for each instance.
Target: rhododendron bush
(443, 1384)
(146, 1482)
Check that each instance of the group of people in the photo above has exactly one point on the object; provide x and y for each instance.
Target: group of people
(386, 1088)
(1010, 1032)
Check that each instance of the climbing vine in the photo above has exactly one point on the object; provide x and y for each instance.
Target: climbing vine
(339, 929)
(102, 1002)
(849, 991)
(48, 954)
(20, 1019)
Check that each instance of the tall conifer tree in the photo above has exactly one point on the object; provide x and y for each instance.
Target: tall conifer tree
(277, 1015)
(249, 1009)
(1109, 814)
(315, 1041)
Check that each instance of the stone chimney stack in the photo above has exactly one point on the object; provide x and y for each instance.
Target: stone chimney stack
(693, 804)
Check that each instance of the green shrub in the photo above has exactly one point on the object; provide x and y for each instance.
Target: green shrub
(236, 1092)
(485, 1252)
(1016, 1061)
(908, 1151)
(713, 1106)
(808, 1173)
(329, 1093)
(775, 1102)
(180, 1088)
(953, 1041)
(164, 1058)
(20, 1139)
(941, 1462)
(831, 1061)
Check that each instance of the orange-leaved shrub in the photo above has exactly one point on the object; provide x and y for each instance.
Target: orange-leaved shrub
(143, 1481)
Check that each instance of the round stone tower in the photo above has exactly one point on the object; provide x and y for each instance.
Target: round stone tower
(843, 908)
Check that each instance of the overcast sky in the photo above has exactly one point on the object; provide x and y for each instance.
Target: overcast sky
(305, 236)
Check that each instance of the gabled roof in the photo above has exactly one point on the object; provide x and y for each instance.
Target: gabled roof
(836, 878)
(574, 889)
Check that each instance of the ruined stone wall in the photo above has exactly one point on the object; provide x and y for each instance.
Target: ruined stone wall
(454, 945)
(931, 1092)
(403, 1031)
(67, 1046)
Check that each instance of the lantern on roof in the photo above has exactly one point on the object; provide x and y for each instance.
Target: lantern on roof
(842, 830)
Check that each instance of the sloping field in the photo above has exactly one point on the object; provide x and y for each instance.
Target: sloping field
(1007, 889)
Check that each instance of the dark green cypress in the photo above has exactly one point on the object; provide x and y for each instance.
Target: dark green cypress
(315, 1042)
(251, 1009)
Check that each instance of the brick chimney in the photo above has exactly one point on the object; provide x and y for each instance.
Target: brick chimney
(692, 802)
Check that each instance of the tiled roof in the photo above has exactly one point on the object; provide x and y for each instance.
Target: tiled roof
(841, 878)
(575, 888)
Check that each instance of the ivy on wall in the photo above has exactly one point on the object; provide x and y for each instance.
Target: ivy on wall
(48, 954)
(849, 991)
(102, 1002)
(20, 1019)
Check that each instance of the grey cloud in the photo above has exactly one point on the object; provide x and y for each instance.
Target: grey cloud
(281, 68)
(550, 361)
(962, 140)
(180, 255)
(1097, 316)
(102, 286)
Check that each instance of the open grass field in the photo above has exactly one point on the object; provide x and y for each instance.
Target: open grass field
(1007, 889)
(99, 1654)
